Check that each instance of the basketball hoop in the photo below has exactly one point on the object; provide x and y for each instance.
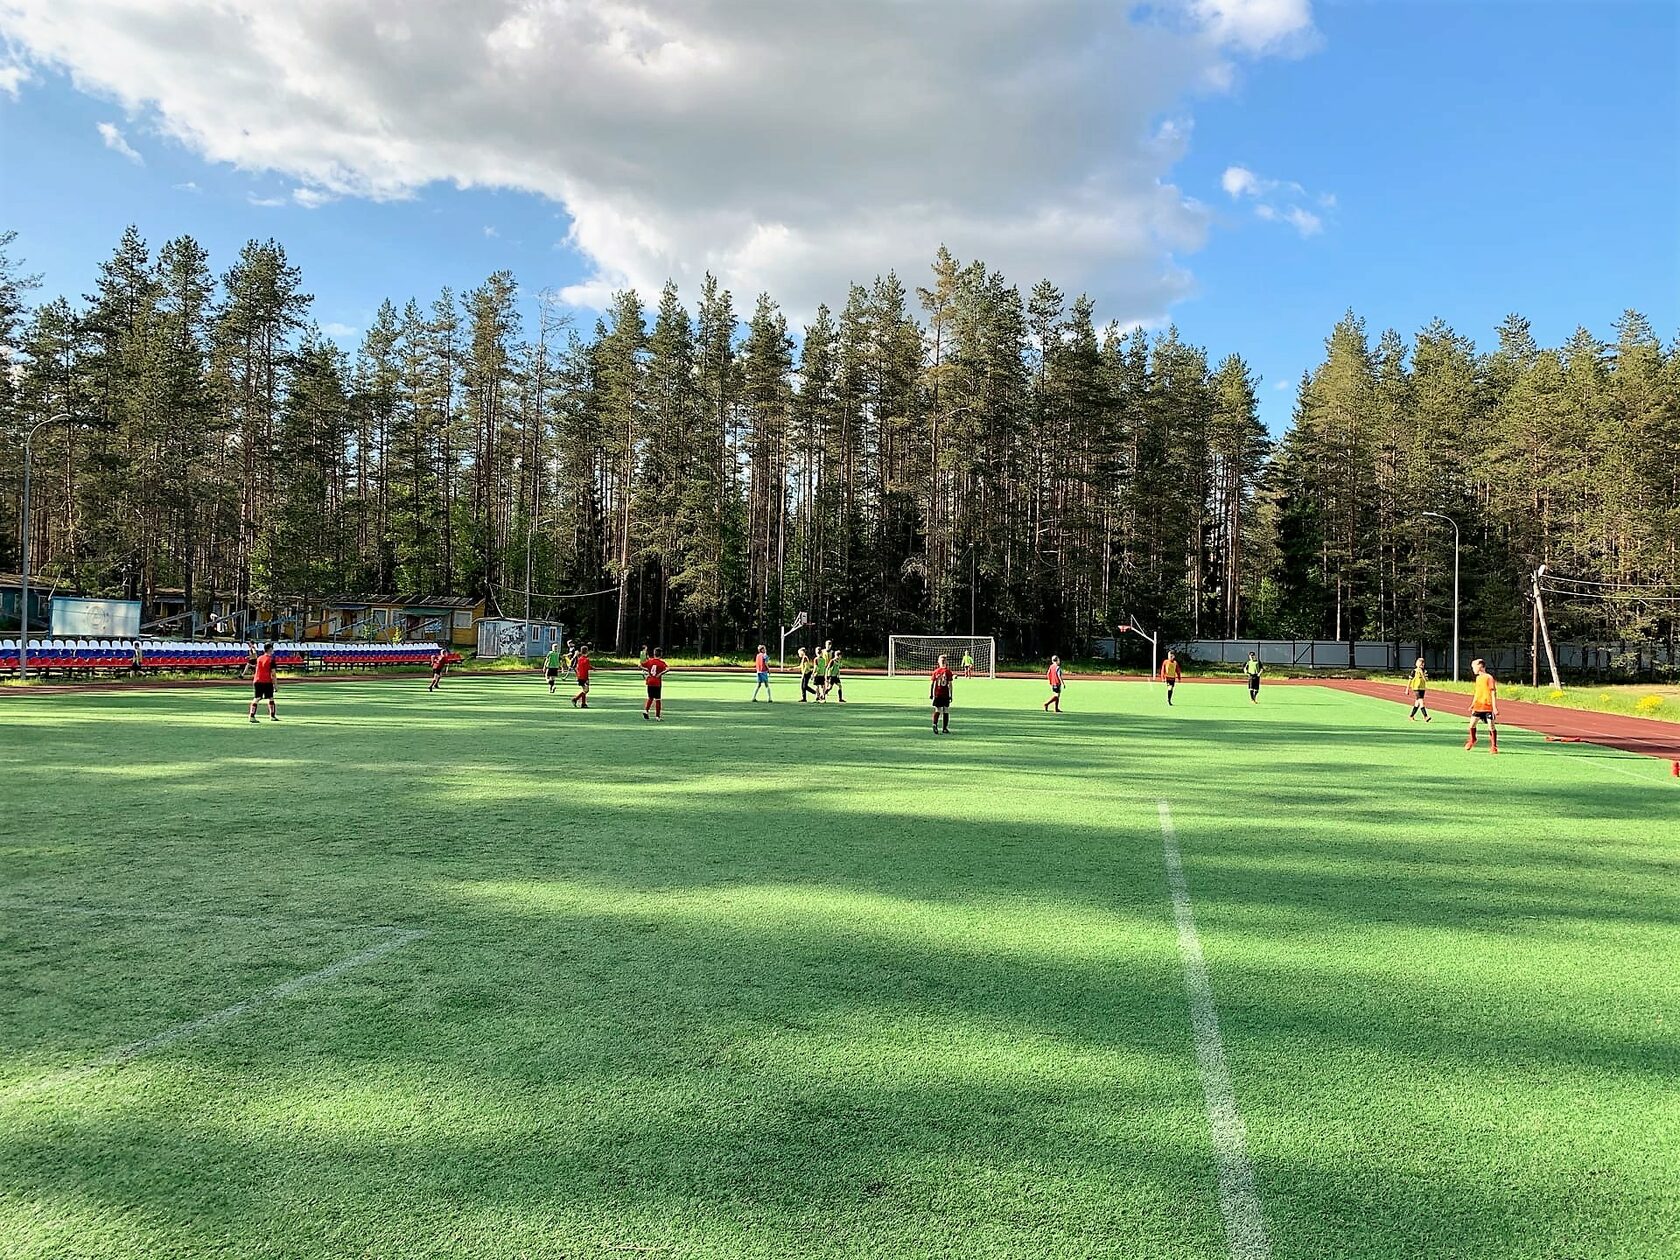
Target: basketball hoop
(800, 621)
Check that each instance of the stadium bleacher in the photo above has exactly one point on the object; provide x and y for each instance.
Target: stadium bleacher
(84, 656)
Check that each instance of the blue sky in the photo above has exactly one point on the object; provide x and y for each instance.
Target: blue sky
(1463, 161)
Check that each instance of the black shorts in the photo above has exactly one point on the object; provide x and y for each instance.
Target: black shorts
(552, 673)
(654, 690)
(264, 691)
(1254, 682)
(1418, 692)
(942, 699)
(1056, 688)
(1482, 715)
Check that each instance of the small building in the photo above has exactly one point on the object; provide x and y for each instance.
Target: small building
(397, 618)
(500, 636)
(40, 603)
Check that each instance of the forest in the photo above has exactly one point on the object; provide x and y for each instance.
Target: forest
(958, 455)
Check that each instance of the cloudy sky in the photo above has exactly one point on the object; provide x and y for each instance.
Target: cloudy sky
(1248, 168)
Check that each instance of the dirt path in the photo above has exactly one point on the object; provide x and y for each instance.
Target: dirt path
(1612, 730)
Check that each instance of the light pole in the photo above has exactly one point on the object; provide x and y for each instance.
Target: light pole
(1449, 520)
(23, 603)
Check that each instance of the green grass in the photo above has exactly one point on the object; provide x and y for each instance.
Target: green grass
(811, 981)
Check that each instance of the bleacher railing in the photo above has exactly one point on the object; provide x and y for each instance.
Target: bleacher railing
(67, 656)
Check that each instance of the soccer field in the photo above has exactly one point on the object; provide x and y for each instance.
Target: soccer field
(476, 974)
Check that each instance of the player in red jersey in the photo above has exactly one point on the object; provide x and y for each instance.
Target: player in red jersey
(939, 691)
(761, 668)
(1053, 676)
(655, 670)
(439, 658)
(263, 680)
(581, 666)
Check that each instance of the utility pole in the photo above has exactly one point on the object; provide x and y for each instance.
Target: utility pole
(1545, 632)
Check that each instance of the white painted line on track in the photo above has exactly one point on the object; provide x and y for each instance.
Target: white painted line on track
(1239, 1200)
(204, 1023)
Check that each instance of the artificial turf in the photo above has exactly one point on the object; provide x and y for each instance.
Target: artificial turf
(783, 980)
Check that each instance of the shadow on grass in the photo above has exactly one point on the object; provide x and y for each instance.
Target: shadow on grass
(912, 998)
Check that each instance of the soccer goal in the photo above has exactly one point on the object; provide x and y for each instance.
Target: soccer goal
(918, 653)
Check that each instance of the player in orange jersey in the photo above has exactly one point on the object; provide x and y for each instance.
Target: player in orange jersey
(1170, 674)
(1484, 705)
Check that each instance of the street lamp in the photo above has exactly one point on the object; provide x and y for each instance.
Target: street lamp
(1449, 520)
(23, 604)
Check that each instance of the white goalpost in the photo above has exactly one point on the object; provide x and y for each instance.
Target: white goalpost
(919, 653)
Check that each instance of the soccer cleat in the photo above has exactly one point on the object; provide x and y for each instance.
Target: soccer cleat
(272, 717)
(644, 715)
(253, 719)
(1469, 744)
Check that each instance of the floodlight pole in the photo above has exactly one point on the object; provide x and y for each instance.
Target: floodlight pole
(23, 602)
(1449, 520)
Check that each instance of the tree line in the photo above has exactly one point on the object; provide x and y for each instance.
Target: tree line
(961, 456)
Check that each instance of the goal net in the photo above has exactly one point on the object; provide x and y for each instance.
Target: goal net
(919, 653)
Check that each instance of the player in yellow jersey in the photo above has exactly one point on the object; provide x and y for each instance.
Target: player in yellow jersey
(1417, 686)
(1484, 705)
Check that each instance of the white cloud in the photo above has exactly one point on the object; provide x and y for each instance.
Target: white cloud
(490, 231)
(335, 329)
(265, 201)
(1259, 26)
(788, 148)
(1239, 181)
(311, 198)
(115, 142)
(14, 72)
(1277, 200)
(190, 186)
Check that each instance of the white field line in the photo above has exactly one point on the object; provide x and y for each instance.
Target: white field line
(1605, 763)
(204, 1023)
(1239, 1200)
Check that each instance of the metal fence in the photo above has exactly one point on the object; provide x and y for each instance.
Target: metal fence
(1597, 660)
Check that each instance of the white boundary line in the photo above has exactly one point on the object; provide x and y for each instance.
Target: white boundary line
(204, 1023)
(1239, 1200)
